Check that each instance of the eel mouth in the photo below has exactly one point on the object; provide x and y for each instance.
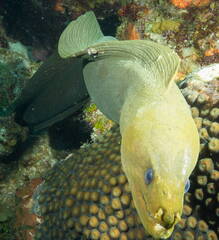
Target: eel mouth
(161, 223)
(163, 226)
(160, 227)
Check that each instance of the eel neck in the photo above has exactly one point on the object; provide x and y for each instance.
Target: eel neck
(138, 100)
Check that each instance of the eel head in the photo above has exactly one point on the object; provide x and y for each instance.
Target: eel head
(159, 151)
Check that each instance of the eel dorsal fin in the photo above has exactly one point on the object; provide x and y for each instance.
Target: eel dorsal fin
(159, 61)
(121, 69)
(79, 35)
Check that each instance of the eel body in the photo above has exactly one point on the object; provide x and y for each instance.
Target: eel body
(132, 83)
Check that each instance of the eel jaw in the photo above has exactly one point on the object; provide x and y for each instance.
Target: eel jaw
(159, 227)
(164, 224)
(159, 224)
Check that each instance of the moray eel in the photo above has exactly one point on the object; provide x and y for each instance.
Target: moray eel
(132, 83)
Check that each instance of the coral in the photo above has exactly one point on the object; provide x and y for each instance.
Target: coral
(132, 11)
(181, 3)
(11, 134)
(96, 203)
(6, 221)
(132, 33)
(201, 91)
(96, 120)
(165, 25)
(6, 213)
(87, 196)
(190, 3)
(15, 69)
(191, 28)
(32, 160)
(211, 52)
(128, 31)
(102, 8)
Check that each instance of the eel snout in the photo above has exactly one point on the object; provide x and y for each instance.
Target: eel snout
(166, 219)
(159, 221)
(165, 222)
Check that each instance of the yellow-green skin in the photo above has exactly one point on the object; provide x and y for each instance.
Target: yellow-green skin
(169, 144)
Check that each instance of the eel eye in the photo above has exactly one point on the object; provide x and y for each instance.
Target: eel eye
(148, 176)
(187, 186)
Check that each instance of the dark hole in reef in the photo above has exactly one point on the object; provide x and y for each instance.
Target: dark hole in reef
(109, 24)
(69, 133)
(32, 22)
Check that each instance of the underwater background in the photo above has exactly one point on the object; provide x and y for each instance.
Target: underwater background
(29, 33)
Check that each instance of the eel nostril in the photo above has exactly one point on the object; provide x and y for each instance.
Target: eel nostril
(168, 219)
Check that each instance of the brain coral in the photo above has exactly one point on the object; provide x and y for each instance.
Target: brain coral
(87, 196)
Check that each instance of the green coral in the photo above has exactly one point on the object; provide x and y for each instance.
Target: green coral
(96, 119)
(91, 108)
(165, 25)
